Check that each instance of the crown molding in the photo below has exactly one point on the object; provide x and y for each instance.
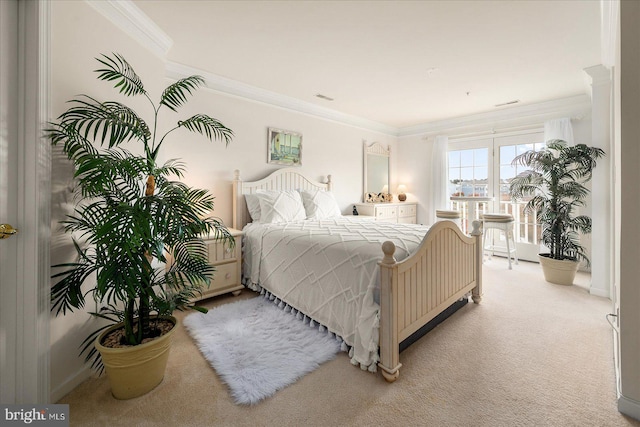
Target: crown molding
(133, 21)
(575, 107)
(599, 74)
(218, 83)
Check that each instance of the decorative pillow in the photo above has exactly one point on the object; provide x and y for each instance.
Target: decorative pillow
(253, 205)
(320, 204)
(280, 206)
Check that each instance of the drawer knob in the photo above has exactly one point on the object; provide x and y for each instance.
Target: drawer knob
(227, 276)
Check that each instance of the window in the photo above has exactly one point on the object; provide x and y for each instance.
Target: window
(468, 172)
(482, 169)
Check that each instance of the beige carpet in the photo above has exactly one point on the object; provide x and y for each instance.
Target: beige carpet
(532, 354)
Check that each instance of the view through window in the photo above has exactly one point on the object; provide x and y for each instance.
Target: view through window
(479, 173)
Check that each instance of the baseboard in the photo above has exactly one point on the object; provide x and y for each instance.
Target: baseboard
(599, 292)
(72, 382)
(629, 407)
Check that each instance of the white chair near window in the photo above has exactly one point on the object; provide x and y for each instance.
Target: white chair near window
(504, 224)
(449, 215)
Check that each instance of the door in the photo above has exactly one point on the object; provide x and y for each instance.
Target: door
(479, 174)
(8, 198)
(527, 231)
(24, 202)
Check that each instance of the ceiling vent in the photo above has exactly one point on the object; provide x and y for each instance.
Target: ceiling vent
(325, 97)
(515, 101)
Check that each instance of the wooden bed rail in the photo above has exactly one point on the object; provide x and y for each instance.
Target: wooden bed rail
(446, 266)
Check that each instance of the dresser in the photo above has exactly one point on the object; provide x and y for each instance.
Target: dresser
(391, 212)
(228, 262)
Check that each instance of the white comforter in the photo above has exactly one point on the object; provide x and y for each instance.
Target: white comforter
(328, 270)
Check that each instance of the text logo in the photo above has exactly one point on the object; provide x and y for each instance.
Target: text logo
(36, 415)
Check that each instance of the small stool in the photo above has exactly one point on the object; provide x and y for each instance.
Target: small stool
(504, 223)
(445, 215)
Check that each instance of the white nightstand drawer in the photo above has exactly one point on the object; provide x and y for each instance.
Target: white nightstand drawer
(225, 275)
(220, 253)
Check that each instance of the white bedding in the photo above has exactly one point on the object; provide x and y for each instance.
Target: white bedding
(328, 270)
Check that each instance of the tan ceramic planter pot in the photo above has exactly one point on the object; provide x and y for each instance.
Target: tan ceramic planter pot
(134, 371)
(560, 272)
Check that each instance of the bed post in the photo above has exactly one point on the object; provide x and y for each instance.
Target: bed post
(476, 293)
(329, 183)
(388, 334)
(237, 182)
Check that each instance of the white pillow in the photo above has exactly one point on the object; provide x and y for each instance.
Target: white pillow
(280, 206)
(253, 205)
(320, 204)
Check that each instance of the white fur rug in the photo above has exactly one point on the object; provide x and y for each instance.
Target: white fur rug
(258, 348)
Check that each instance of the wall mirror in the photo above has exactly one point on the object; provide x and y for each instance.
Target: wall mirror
(376, 172)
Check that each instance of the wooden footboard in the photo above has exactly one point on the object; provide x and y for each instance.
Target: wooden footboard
(446, 266)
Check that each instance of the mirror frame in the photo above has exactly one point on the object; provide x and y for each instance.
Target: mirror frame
(375, 149)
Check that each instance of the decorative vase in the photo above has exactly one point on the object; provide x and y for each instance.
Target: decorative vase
(136, 370)
(560, 272)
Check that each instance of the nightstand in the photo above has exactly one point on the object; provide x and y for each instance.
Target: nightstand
(228, 262)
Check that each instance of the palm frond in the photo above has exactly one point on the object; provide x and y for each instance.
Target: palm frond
(175, 95)
(119, 70)
(207, 126)
(67, 293)
(110, 122)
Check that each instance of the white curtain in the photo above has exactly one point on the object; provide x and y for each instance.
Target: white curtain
(439, 171)
(558, 129)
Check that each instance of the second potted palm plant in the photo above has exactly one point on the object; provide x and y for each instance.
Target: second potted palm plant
(554, 188)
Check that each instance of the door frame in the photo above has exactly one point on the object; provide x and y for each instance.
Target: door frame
(25, 358)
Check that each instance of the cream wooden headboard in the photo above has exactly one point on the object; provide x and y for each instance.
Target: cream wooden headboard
(282, 179)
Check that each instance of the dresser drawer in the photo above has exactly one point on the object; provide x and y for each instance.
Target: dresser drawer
(389, 212)
(409, 210)
(386, 212)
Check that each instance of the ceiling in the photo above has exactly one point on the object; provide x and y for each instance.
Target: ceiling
(398, 63)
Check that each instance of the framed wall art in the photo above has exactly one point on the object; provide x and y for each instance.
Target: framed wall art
(284, 147)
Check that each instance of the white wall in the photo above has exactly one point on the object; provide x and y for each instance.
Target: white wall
(414, 170)
(328, 148)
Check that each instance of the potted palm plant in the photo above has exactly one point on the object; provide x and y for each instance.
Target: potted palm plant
(553, 186)
(137, 232)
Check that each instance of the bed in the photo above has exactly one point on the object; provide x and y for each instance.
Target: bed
(374, 284)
